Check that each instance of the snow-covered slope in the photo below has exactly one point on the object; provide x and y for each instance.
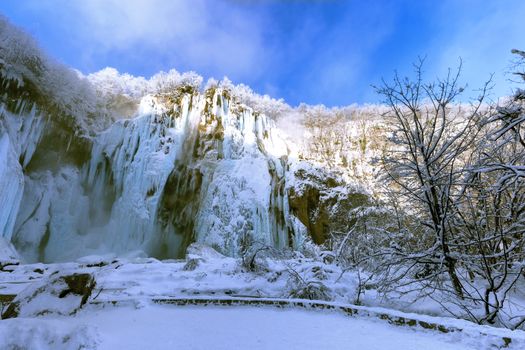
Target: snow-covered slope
(94, 299)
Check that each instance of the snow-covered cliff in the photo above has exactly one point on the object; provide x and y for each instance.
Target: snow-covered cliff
(188, 167)
(117, 164)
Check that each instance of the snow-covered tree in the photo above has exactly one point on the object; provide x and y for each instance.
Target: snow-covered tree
(490, 215)
(424, 170)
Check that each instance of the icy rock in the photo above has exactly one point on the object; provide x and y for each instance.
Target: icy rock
(97, 260)
(58, 294)
(8, 253)
(203, 252)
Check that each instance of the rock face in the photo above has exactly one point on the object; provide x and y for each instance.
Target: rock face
(323, 203)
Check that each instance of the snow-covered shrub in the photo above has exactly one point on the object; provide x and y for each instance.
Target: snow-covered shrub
(306, 282)
(299, 288)
(253, 257)
(256, 254)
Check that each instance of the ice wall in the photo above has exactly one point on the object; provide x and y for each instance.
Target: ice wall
(189, 167)
(194, 169)
(20, 132)
(11, 187)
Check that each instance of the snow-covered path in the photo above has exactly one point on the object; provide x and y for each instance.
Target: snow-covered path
(212, 327)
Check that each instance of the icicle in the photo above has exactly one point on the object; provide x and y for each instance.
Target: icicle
(11, 187)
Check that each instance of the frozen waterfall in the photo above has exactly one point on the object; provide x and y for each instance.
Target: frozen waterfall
(190, 167)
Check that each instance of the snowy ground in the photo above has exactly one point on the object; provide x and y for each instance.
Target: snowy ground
(194, 327)
(203, 273)
(251, 321)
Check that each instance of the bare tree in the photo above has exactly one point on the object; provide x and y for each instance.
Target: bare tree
(455, 178)
(490, 214)
(490, 223)
(424, 170)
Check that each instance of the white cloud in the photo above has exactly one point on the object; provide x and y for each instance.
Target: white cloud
(318, 56)
(199, 34)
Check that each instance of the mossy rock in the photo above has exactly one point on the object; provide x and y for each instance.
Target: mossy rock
(79, 285)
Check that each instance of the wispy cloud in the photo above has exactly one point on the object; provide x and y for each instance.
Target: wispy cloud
(319, 51)
(194, 34)
(285, 48)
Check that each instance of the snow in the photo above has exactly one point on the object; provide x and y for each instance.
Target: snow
(37, 334)
(168, 327)
(126, 289)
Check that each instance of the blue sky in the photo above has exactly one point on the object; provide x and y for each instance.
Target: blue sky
(318, 51)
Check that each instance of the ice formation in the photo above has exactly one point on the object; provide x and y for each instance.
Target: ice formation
(189, 167)
(18, 140)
